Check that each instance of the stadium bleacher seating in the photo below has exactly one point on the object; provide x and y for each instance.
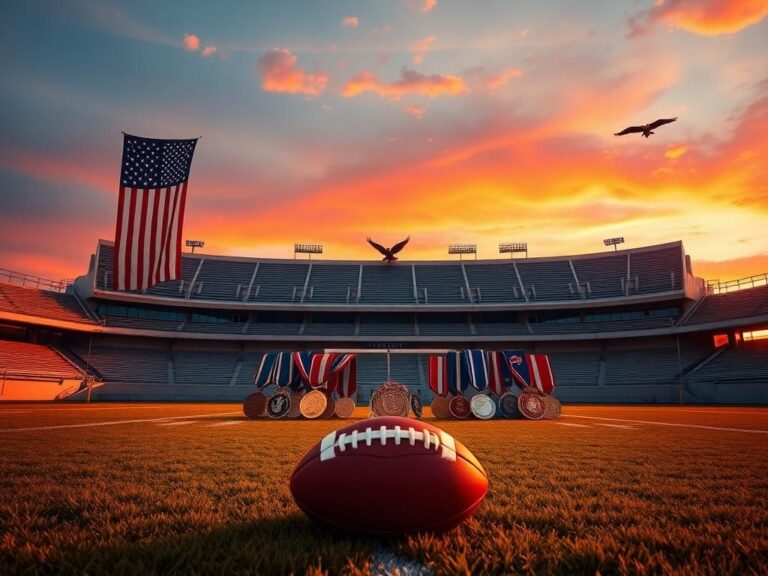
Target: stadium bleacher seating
(652, 269)
(656, 270)
(747, 361)
(548, 279)
(35, 302)
(203, 367)
(579, 368)
(440, 284)
(601, 277)
(22, 358)
(126, 364)
(740, 304)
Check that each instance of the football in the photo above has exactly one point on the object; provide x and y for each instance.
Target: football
(389, 475)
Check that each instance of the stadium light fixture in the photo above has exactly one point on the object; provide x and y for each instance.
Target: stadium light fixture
(307, 249)
(194, 244)
(614, 242)
(513, 247)
(462, 249)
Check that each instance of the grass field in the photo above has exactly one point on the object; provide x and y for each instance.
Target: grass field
(197, 489)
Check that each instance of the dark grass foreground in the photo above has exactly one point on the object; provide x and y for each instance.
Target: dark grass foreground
(148, 499)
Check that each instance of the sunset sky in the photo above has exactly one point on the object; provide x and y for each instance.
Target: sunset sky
(450, 121)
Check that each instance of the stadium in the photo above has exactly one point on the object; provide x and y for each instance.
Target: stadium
(181, 393)
(628, 326)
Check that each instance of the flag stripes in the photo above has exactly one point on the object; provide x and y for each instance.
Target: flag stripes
(148, 236)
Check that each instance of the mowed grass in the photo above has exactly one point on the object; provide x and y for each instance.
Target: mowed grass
(143, 497)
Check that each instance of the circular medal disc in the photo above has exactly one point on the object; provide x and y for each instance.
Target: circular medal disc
(344, 407)
(278, 404)
(440, 407)
(508, 406)
(330, 408)
(295, 410)
(391, 399)
(531, 405)
(550, 408)
(416, 407)
(459, 407)
(255, 405)
(313, 404)
(482, 406)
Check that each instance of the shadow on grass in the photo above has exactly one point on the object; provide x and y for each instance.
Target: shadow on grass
(290, 544)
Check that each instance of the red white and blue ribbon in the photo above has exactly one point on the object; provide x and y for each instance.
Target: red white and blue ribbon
(540, 373)
(457, 378)
(475, 368)
(345, 380)
(516, 362)
(437, 375)
(262, 378)
(316, 369)
(498, 373)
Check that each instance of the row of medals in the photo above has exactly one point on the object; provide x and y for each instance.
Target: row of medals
(393, 399)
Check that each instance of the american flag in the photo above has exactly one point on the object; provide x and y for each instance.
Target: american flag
(150, 212)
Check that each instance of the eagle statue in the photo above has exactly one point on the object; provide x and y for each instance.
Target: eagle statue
(389, 253)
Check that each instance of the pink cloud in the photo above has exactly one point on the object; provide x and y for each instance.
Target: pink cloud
(191, 42)
(281, 73)
(705, 17)
(416, 111)
(424, 44)
(498, 80)
(350, 22)
(411, 82)
(209, 51)
(427, 5)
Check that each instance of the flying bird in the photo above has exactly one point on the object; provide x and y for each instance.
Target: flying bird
(647, 130)
(389, 253)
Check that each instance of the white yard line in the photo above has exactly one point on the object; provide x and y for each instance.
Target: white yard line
(723, 412)
(227, 423)
(179, 423)
(674, 424)
(573, 425)
(15, 411)
(116, 422)
(615, 426)
(96, 408)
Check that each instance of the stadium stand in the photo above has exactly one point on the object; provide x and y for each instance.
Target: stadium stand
(333, 284)
(492, 283)
(602, 276)
(741, 304)
(747, 361)
(578, 368)
(440, 284)
(202, 367)
(34, 302)
(656, 270)
(548, 280)
(22, 358)
(387, 284)
(222, 279)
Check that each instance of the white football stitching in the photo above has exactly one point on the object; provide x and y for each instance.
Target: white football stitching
(329, 444)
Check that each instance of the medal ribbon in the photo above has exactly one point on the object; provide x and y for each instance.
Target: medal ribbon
(475, 368)
(437, 375)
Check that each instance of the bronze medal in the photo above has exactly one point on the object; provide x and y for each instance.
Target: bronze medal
(344, 407)
(313, 404)
(531, 405)
(391, 399)
(255, 405)
(330, 408)
(459, 407)
(295, 410)
(440, 407)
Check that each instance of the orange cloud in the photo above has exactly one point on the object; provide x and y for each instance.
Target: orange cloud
(499, 80)
(674, 152)
(705, 17)
(424, 44)
(209, 51)
(412, 82)
(427, 5)
(350, 22)
(280, 73)
(416, 111)
(191, 43)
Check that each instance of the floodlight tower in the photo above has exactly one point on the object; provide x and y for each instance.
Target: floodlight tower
(194, 244)
(512, 248)
(614, 242)
(307, 249)
(462, 249)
